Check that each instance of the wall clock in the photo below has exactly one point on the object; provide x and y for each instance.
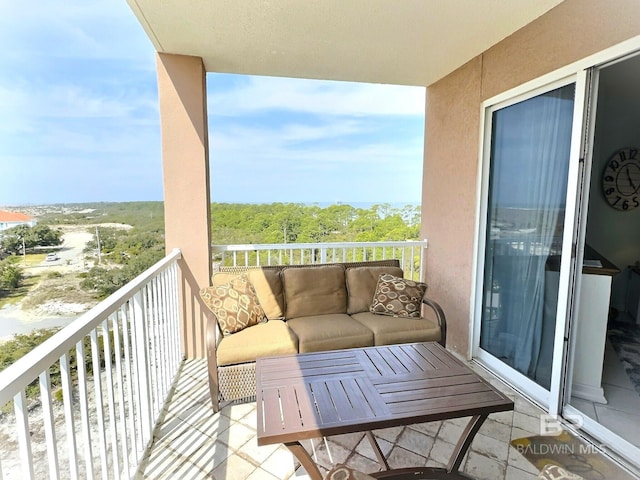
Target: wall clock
(621, 179)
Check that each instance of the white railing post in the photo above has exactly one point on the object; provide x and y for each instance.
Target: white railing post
(144, 319)
(111, 398)
(67, 395)
(319, 253)
(49, 430)
(22, 425)
(142, 371)
(97, 385)
(124, 440)
(84, 408)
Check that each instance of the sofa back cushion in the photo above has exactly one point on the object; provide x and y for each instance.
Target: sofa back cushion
(268, 286)
(314, 290)
(361, 285)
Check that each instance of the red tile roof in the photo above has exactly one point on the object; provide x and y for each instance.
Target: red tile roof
(14, 217)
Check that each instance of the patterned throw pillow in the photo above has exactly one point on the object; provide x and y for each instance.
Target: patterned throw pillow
(235, 304)
(398, 297)
(342, 472)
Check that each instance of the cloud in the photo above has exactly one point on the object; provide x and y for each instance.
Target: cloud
(255, 94)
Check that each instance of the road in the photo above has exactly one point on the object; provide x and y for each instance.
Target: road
(13, 319)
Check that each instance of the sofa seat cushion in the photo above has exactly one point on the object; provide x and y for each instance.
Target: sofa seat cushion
(362, 283)
(268, 287)
(261, 340)
(314, 290)
(389, 330)
(329, 332)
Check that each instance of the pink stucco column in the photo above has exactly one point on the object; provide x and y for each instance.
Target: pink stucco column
(185, 159)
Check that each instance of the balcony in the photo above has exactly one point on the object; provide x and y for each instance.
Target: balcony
(148, 413)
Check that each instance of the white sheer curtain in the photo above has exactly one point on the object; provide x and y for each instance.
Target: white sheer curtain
(527, 193)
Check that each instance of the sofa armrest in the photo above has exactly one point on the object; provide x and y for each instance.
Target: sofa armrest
(211, 344)
(440, 316)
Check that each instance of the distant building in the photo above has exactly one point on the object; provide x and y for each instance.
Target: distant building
(13, 219)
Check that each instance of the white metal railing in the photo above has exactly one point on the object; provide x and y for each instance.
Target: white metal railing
(409, 253)
(85, 401)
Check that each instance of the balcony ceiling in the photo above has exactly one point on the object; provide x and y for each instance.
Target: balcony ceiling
(405, 42)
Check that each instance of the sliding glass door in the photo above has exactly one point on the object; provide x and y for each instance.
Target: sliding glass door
(529, 157)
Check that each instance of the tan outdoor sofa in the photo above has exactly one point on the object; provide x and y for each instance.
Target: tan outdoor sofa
(309, 308)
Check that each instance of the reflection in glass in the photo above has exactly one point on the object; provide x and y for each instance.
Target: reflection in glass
(530, 149)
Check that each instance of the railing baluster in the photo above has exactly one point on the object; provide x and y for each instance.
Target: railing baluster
(22, 426)
(162, 307)
(157, 347)
(123, 438)
(132, 376)
(49, 429)
(142, 367)
(83, 400)
(173, 341)
(67, 395)
(143, 317)
(151, 346)
(110, 398)
(97, 385)
(176, 319)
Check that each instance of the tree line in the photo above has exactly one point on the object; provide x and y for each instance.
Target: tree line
(235, 223)
(125, 253)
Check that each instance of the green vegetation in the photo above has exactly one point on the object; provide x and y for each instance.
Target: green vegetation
(11, 275)
(128, 253)
(139, 214)
(299, 223)
(17, 240)
(20, 345)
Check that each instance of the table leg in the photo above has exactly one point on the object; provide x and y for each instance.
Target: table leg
(465, 442)
(376, 448)
(305, 460)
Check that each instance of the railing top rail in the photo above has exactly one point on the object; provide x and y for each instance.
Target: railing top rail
(295, 246)
(14, 378)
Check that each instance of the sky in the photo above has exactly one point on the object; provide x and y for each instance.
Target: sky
(79, 121)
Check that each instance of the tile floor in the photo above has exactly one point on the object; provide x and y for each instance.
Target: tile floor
(193, 443)
(621, 413)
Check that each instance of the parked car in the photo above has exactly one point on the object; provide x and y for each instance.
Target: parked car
(52, 257)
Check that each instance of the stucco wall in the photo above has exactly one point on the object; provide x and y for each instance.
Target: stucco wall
(449, 192)
(573, 30)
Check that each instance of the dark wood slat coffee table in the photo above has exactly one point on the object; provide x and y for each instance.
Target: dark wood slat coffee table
(320, 394)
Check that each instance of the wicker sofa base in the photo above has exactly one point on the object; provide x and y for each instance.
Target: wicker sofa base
(237, 382)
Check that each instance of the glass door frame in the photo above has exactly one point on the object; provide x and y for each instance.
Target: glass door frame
(603, 434)
(550, 399)
(555, 401)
